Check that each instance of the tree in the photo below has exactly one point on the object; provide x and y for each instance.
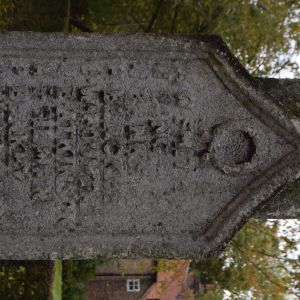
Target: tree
(75, 274)
(256, 263)
(22, 280)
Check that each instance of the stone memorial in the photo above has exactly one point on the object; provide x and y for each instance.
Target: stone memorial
(138, 145)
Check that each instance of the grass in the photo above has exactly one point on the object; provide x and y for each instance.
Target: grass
(57, 281)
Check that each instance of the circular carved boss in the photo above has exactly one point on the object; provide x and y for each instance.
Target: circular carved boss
(235, 147)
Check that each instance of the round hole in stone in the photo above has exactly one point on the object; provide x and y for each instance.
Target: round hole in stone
(234, 147)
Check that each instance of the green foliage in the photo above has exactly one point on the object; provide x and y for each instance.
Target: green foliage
(216, 294)
(256, 260)
(5, 7)
(75, 274)
(57, 281)
(23, 280)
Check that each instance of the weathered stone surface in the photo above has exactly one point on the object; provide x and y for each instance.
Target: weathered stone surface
(130, 145)
(286, 94)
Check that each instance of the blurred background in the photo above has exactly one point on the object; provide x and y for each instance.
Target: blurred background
(262, 262)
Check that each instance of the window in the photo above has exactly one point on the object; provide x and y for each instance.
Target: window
(133, 285)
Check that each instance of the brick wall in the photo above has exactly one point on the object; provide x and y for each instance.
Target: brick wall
(115, 289)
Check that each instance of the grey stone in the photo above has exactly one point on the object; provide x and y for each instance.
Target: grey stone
(286, 94)
(135, 145)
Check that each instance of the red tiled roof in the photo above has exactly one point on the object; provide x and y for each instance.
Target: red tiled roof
(171, 281)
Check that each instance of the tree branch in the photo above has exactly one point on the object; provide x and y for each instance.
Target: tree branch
(173, 23)
(154, 16)
(80, 25)
(67, 18)
(260, 269)
(267, 254)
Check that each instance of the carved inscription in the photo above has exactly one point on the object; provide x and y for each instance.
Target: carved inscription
(73, 145)
(77, 148)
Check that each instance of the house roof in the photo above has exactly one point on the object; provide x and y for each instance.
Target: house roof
(162, 279)
(172, 281)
